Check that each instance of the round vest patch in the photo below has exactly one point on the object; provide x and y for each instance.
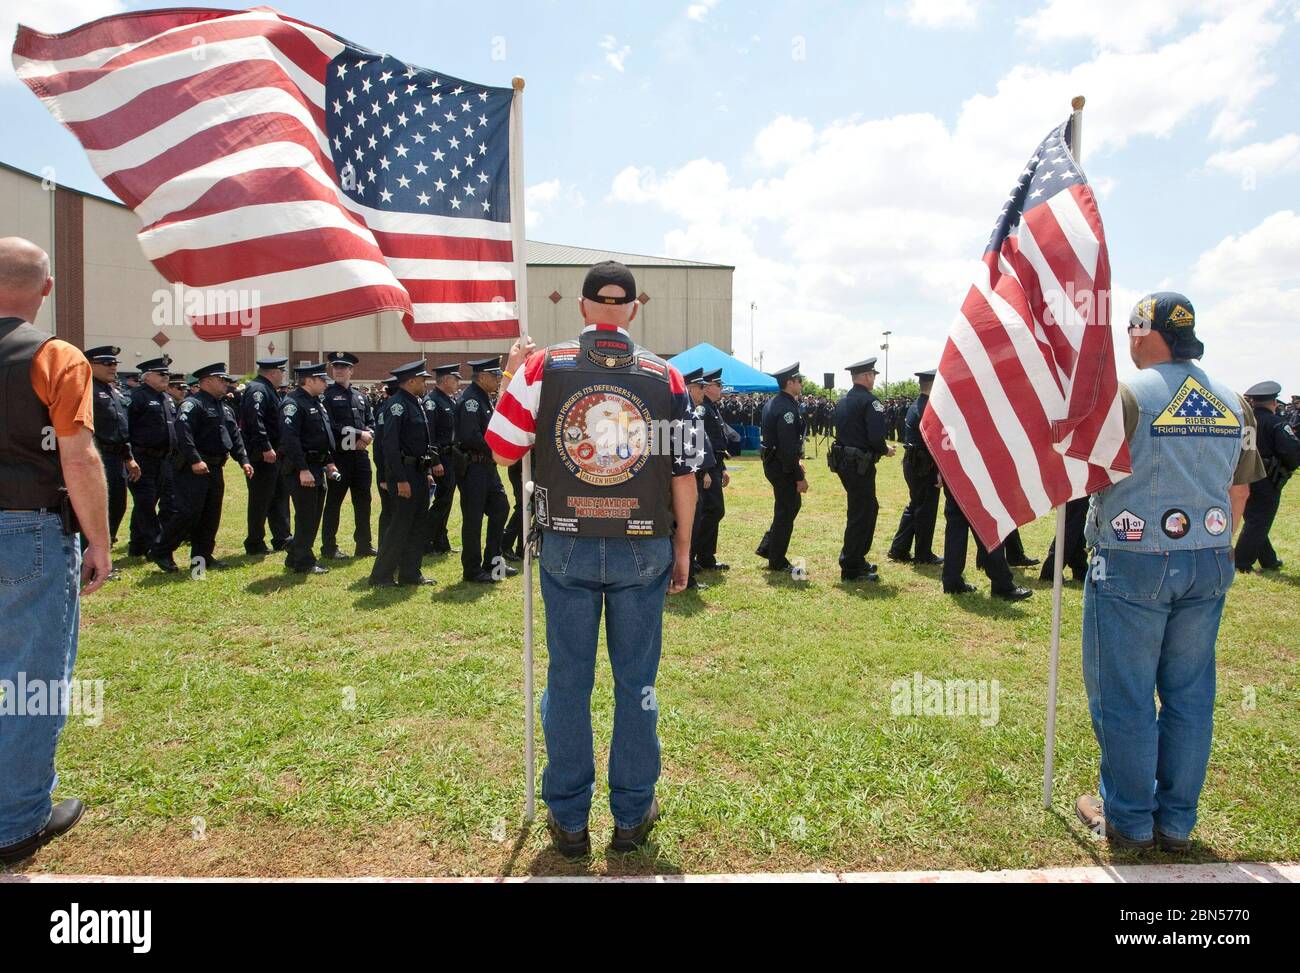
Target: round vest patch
(602, 434)
(1216, 521)
(1175, 524)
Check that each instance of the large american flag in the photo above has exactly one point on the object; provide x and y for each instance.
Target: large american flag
(1025, 412)
(278, 165)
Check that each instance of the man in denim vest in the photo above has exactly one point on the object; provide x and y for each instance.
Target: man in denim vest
(1162, 567)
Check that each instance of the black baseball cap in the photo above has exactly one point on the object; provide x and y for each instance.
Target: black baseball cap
(606, 273)
(1173, 316)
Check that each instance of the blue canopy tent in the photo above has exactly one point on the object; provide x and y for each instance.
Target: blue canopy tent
(736, 375)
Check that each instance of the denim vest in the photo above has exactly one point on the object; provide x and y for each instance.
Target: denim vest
(1184, 451)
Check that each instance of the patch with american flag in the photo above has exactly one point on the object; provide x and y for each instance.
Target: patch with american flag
(305, 177)
(1025, 412)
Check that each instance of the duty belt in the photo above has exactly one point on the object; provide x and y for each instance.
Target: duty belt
(152, 453)
(317, 455)
(112, 449)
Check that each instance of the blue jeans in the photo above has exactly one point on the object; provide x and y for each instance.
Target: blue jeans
(40, 606)
(628, 578)
(1149, 628)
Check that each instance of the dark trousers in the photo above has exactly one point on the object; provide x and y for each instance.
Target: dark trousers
(268, 502)
(956, 534)
(444, 491)
(512, 539)
(385, 511)
(481, 493)
(1076, 550)
(198, 512)
(355, 476)
(403, 546)
(308, 502)
(115, 477)
(1253, 544)
(146, 527)
(860, 524)
(786, 501)
(916, 526)
(712, 508)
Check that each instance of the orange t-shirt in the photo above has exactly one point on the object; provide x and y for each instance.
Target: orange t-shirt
(61, 378)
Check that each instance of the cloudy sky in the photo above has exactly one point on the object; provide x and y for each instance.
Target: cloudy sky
(849, 158)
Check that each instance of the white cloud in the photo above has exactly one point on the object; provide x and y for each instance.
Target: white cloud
(942, 13)
(615, 56)
(700, 11)
(1260, 158)
(51, 17)
(1266, 256)
(871, 222)
(1128, 26)
(543, 196)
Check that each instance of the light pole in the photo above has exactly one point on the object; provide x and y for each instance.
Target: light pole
(752, 308)
(885, 349)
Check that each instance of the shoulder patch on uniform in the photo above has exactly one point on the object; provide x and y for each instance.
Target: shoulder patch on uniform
(789, 418)
(875, 404)
(471, 405)
(290, 409)
(1196, 411)
(397, 409)
(258, 397)
(187, 406)
(1128, 526)
(430, 405)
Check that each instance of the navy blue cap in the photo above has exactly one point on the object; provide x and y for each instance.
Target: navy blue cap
(443, 370)
(713, 376)
(415, 369)
(104, 354)
(312, 370)
(928, 375)
(786, 374)
(272, 362)
(342, 358)
(1173, 316)
(1264, 390)
(866, 365)
(694, 377)
(487, 365)
(162, 364)
(215, 370)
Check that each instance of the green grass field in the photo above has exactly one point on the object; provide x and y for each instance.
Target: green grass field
(260, 723)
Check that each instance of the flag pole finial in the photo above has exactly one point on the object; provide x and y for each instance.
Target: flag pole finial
(1076, 102)
(518, 85)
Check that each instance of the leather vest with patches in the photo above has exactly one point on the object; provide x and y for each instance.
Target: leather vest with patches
(603, 449)
(1184, 451)
(30, 474)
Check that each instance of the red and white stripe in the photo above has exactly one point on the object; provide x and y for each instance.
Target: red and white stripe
(1025, 411)
(211, 126)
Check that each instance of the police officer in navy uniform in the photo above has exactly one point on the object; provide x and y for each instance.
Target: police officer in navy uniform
(705, 471)
(440, 407)
(1279, 450)
(957, 531)
(207, 434)
(409, 457)
(782, 431)
(916, 526)
(481, 492)
(112, 432)
(381, 482)
(268, 491)
(308, 443)
(705, 538)
(860, 434)
(153, 442)
(354, 430)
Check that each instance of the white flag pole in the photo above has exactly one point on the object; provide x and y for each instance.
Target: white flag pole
(1058, 575)
(520, 245)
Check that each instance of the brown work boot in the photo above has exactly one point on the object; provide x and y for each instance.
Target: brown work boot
(1090, 811)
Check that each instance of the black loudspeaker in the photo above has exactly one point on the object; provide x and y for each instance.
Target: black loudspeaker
(828, 380)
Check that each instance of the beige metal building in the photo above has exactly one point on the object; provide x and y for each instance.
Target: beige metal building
(107, 293)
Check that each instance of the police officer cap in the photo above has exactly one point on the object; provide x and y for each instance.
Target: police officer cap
(492, 365)
(177, 379)
(127, 375)
(714, 377)
(156, 365)
(391, 383)
(603, 274)
(215, 370)
(694, 377)
(786, 374)
(342, 358)
(866, 365)
(928, 375)
(1172, 315)
(415, 369)
(104, 354)
(452, 369)
(1264, 390)
(313, 370)
(272, 362)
